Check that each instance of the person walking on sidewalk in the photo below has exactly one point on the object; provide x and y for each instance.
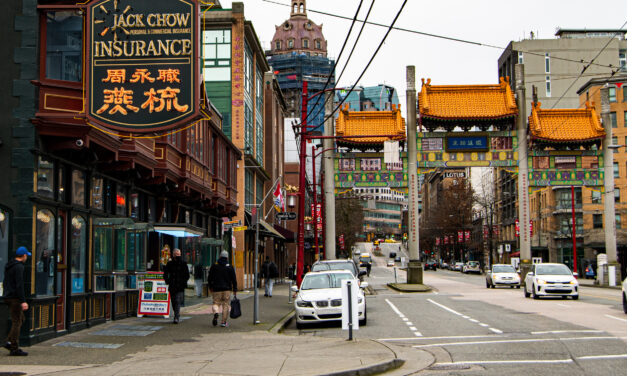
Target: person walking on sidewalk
(269, 272)
(176, 275)
(222, 281)
(16, 299)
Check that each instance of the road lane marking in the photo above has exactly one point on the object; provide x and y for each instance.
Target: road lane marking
(409, 323)
(405, 319)
(441, 337)
(445, 307)
(615, 318)
(514, 341)
(529, 361)
(417, 334)
(563, 305)
(484, 325)
(393, 307)
(466, 317)
(496, 331)
(473, 320)
(412, 328)
(617, 356)
(567, 331)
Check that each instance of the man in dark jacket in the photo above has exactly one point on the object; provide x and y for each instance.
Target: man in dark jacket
(16, 299)
(269, 272)
(222, 281)
(176, 275)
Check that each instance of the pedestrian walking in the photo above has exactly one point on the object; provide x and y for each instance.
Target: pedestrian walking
(176, 275)
(269, 272)
(222, 281)
(15, 298)
(199, 273)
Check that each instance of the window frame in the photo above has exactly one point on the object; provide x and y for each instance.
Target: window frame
(43, 45)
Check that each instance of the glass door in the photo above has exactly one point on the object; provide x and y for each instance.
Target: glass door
(61, 269)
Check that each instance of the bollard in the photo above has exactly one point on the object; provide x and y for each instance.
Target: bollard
(350, 312)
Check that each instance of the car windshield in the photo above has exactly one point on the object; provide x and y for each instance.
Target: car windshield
(473, 263)
(504, 269)
(334, 266)
(365, 259)
(324, 280)
(552, 270)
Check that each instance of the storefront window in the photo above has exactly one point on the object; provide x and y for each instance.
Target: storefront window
(120, 250)
(130, 255)
(140, 252)
(4, 240)
(64, 31)
(135, 205)
(78, 187)
(44, 253)
(103, 249)
(61, 182)
(45, 177)
(79, 254)
(97, 199)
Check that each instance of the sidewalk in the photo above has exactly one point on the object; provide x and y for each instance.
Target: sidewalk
(591, 283)
(155, 346)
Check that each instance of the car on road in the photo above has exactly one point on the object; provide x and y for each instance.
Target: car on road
(625, 295)
(444, 265)
(502, 275)
(458, 266)
(339, 264)
(390, 241)
(431, 264)
(551, 280)
(392, 255)
(397, 258)
(471, 267)
(391, 263)
(319, 298)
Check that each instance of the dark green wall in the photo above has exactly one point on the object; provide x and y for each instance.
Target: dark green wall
(220, 95)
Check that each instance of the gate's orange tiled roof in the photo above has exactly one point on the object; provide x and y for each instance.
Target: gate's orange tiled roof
(565, 125)
(452, 102)
(366, 123)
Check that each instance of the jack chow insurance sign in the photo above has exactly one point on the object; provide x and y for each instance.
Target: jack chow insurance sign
(142, 64)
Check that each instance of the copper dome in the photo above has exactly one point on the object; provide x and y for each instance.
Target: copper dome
(298, 34)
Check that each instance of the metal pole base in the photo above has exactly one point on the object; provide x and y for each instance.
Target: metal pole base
(414, 272)
(525, 267)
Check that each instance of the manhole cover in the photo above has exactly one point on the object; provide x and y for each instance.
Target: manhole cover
(185, 340)
(448, 367)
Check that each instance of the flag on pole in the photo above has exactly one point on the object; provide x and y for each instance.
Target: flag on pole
(279, 203)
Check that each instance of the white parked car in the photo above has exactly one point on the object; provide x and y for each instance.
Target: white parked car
(391, 263)
(319, 298)
(551, 280)
(625, 295)
(458, 266)
(471, 267)
(502, 275)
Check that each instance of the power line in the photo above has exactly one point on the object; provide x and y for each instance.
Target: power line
(348, 59)
(445, 37)
(350, 30)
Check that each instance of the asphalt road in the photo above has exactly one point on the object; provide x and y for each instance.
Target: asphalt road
(477, 331)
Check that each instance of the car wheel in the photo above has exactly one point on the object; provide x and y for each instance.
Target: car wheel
(511, 287)
(624, 304)
(518, 286)
(300, 325)
(533, 292)
(576, 297)
(526, 293)
(487, 285)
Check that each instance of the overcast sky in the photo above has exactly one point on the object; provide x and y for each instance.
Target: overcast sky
(489, 22)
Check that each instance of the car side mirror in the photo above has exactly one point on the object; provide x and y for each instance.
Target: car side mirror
(362, 273)
(530, 273)
(488, 271)
(294, 288)
(363, 285)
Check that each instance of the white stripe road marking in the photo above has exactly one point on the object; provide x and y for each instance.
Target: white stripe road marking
(617, 356)
(473, 320)
(567, 331)
(615, 318)
(405, 318)
(530, 361)
(484, 325)
(417, 334)
(394, 307)
(412, 328)
(409, 323)
(442, 337)
(514, 341)
(496, 331)
(445, 307)
(466, 317)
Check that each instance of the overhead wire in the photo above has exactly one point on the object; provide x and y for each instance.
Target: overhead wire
(453, 39)
(347, 59)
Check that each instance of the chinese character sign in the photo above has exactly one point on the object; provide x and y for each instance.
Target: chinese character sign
(142, 64)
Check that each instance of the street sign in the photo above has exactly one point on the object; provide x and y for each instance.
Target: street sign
(230, 224)
(240, 228)
(286, 216)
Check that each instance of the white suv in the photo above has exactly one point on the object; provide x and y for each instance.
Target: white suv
(551, 280)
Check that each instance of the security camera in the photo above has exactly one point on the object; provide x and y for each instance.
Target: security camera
(80, 143)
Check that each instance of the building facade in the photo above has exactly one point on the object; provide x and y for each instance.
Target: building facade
(95, 206)
(371, 98)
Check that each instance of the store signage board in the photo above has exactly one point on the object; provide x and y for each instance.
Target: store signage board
(230, 224)
(240, 228)
(154, 297)
(286, 216)
(142, 64)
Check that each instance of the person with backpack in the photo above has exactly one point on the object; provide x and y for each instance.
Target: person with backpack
(222, 281)
(269, 272)
(14, 296)
(176, 275)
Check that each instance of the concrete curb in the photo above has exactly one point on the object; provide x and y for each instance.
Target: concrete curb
(281, 324)
(404, 287)
(374, 369)
(600, 287)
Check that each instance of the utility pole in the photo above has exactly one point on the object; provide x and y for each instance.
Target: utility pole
(609, 220)
(329, 183)
(523, 170)
(314, 213)
(302, 188)
(414, 268)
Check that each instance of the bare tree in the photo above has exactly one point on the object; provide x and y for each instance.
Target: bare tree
(349, 221)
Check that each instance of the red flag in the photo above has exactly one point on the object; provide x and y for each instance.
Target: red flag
(279, 203)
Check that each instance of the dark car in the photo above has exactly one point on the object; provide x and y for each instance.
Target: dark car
(392, 254)
(397, 258)
(431, 264)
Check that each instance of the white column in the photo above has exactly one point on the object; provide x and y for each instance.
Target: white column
(329, 181)
(523, 168)
(609, 217)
